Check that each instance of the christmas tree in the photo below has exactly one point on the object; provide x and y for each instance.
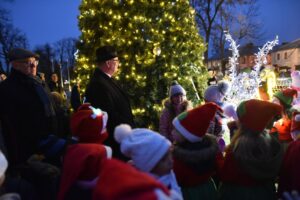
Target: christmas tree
(157, 42)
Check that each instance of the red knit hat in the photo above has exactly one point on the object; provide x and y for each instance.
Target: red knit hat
(82, 162)
(89, 124)
(194, 123)
(256, 114)
(295, 127)
(286, 97)
(120, 181)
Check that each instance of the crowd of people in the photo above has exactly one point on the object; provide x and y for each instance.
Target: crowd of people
(213, 150)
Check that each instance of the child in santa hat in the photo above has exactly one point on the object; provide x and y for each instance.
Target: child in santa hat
(196, 154)
(88, 124)
(253, 157)
(80, 171)
(173, 106)
(120, 181)
(150, 152)
(290, 173)
(282, 127)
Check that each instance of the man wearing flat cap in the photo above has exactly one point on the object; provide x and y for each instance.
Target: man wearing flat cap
(26, 112)
(104, 93)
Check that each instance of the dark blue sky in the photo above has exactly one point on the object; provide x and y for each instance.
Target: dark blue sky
(51, 20)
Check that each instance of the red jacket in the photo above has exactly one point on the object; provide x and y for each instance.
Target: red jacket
(289, 177)
(188, 177)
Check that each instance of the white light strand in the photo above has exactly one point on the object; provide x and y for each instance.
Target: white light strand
(261, 56)
(244, 86)
(233, 61)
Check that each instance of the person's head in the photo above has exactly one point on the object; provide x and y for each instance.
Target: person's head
(216, 93)
(88, 124)
(41, 75)
(54, 77)
(2, 77)
(256, 115)
(177, 93)
(24, 61)
(58, 100)
(82, 164)
(211, 72)
(107, 59)
(119, 180)
(148, 149)
(285, 97)
(193, 125)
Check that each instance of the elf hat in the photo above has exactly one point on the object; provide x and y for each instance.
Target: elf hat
(118, 180)
(286, 96)
(88, 124)
(295, 127)
(256, 115)
(193, 124)
(82, 163)
(176, 89)
(145, 147)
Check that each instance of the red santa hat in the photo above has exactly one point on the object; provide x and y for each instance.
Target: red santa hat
(295, 127)
(118, 180)
(193, 124)
(256, 115)
(82, 163)
(88, 124)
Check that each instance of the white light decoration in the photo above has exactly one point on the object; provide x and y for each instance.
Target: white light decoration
(244, 86)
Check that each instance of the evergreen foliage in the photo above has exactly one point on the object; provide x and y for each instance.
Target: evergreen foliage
(157, 41)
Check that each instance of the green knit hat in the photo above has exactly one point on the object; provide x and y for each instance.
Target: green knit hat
(286, 97)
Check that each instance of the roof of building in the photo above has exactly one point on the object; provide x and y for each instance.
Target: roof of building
(290, 45)
(248, 49)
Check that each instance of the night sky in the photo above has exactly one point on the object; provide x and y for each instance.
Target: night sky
(51, 20)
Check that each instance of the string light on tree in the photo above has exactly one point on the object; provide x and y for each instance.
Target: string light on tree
(157, 41)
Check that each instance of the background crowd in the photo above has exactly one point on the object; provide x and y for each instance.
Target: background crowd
(214, 150)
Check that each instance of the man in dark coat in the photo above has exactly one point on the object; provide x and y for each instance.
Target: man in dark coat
(26, 111)
(104, 93)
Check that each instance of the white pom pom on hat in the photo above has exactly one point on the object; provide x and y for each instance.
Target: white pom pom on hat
(3, 164)
(121, 132)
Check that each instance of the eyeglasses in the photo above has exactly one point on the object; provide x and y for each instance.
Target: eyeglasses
(30, 63)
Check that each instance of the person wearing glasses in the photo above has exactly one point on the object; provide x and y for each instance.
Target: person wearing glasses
(103, 92)
(26, 111)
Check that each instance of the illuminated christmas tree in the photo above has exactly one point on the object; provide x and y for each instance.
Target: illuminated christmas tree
(157, 42)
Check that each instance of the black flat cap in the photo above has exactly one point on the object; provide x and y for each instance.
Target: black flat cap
(20, 54)
(105, 53)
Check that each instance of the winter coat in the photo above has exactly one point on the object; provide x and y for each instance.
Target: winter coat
(27, 115)
(249, 171)
(104, 93)
(290, 173)
(195, 164)
(168, 114)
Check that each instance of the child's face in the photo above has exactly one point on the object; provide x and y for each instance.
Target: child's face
(165, 165)
(177, 99)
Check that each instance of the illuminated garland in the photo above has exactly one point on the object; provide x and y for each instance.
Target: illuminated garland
(245, 86)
